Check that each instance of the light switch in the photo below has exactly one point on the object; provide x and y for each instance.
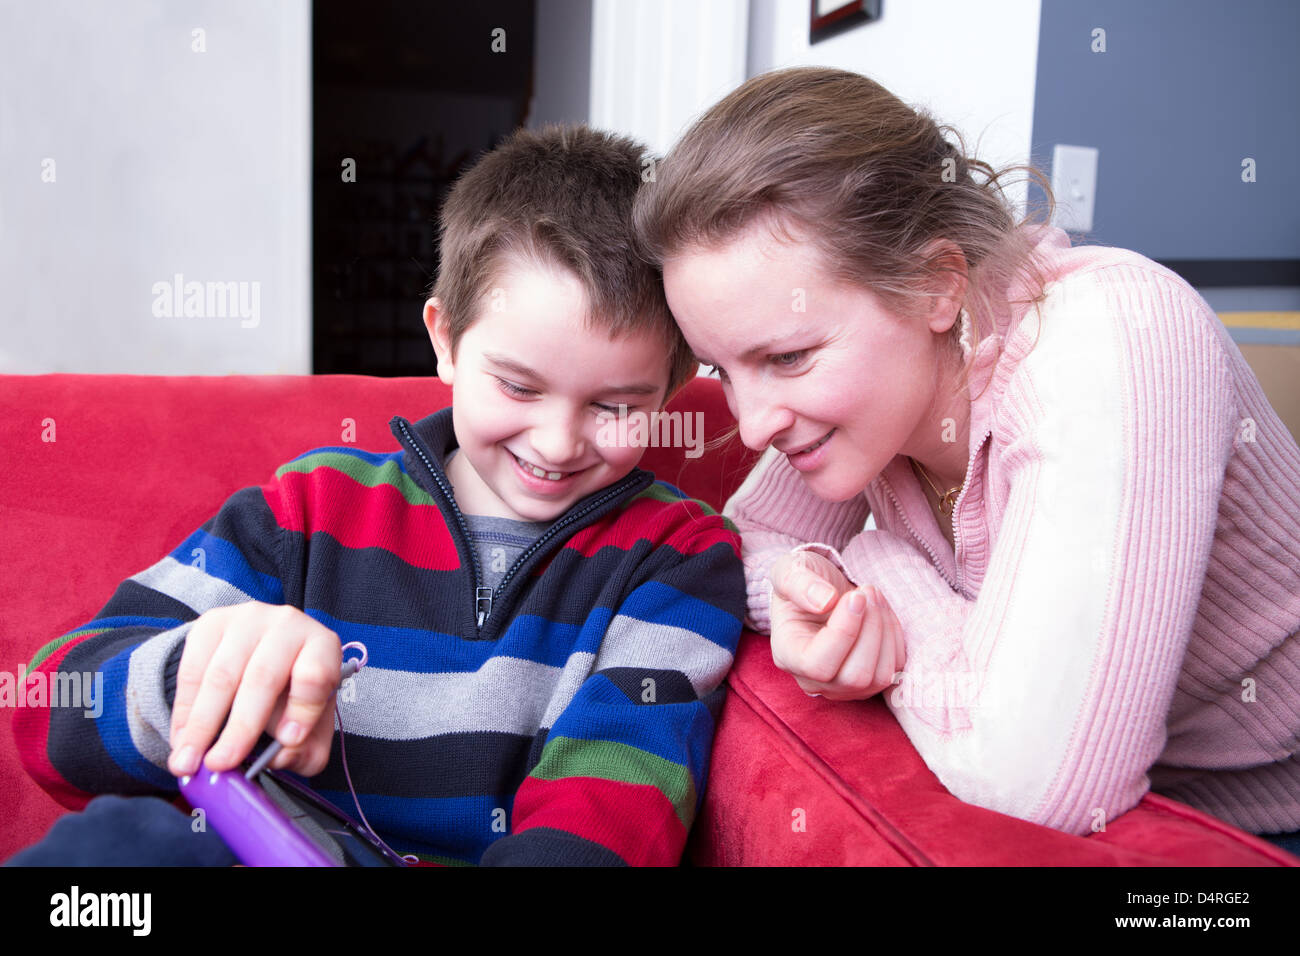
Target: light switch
(1074, 181)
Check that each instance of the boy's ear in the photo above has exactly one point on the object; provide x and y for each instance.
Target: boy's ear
(435, 320)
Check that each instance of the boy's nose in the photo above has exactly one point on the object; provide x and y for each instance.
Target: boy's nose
(559, 442)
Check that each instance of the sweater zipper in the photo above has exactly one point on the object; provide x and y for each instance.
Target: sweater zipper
(482, 601)
(898, 508)
(483, 596)
(956, 527)
(613, 492)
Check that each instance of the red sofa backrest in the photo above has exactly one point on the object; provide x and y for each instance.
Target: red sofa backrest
(138, 462)
(105, 474)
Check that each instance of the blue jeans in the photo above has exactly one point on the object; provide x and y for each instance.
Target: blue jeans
(148, 831)
(126, 831)
(1287, 841)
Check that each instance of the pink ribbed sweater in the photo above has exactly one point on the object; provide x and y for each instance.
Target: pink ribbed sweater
(1122, 610)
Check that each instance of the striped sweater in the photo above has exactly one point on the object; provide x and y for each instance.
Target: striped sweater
(567, 719)
(1122, 606)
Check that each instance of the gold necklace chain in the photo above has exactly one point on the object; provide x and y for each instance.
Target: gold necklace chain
(946, 501)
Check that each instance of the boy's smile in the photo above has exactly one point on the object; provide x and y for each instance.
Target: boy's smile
(530, 382)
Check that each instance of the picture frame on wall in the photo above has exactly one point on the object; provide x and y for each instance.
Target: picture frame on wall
(828, 18)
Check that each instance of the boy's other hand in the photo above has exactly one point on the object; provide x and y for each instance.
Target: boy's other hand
(838, 641)
(279, 669)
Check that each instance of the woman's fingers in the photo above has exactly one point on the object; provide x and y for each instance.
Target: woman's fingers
(863, 635)
(808, 581)
(857, 677)
(837, 641)
(816, 663)
(813, 594)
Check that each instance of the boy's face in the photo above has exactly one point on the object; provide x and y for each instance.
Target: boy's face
(529, 384)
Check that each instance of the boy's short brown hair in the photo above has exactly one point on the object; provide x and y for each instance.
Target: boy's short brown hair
(561, 196)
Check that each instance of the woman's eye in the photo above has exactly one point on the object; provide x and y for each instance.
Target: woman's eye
(787, 359)
(611, 409)
(719, 371)
(510, 388)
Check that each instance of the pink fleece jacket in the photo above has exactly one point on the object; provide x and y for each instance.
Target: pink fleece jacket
(1122, 610)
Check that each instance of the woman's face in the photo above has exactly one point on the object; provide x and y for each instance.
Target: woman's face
(817, 368)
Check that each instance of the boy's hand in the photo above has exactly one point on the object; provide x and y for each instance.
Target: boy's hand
(278, 666)
(838, 641)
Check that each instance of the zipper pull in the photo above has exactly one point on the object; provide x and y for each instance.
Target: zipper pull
(482, 603)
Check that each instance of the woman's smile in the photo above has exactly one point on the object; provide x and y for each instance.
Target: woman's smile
(862, 387)
(810, 456)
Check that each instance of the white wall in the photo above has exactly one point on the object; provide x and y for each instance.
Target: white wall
(656, 64)
(171, 161)
(166, 161)
(972, 65)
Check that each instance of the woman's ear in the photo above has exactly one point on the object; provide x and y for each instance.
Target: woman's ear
(439, 328)
(948, 282)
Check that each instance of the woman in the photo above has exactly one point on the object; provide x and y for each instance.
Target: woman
(1083, 578)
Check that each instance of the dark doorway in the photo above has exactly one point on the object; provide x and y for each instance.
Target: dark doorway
(407, 94)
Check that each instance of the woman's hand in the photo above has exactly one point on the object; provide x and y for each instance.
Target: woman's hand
(839, 642)
(267, 666)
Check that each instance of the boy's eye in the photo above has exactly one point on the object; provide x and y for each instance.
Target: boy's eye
(612, 409)
(510, 388)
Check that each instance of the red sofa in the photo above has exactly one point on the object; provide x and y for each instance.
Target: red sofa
(138, 462)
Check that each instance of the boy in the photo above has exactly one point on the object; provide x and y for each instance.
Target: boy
(546, 626)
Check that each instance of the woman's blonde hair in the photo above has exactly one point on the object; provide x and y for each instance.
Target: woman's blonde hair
(869, 180)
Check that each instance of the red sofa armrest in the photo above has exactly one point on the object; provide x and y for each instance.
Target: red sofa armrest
(801, 781)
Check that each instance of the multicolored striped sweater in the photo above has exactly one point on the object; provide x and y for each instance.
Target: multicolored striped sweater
(567, 719)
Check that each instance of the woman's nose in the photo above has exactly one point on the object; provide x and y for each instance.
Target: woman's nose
(762, 415)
